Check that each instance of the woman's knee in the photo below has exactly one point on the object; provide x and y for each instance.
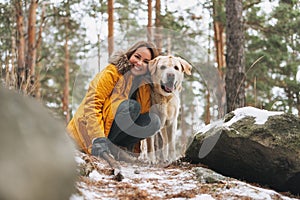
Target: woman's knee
(130, 107)
(134, 107)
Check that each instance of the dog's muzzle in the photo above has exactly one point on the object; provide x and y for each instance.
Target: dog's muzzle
(169, 86)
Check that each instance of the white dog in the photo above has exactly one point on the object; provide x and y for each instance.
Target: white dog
(167, 74)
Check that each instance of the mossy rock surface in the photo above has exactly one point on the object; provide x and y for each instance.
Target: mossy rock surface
(268, 153)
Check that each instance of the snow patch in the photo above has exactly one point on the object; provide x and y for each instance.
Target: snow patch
(244, 189)
(203, 197)
(96, 176)
(174, 182)
(260, 115)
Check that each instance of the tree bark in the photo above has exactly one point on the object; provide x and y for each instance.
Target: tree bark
(110, 10)
(149, 25)
(21, 70)
(219, 35)
(31, 47)
(158, 34)
(219, 43)
(38, 55)
(235, 61)
(11, 78)
(66, 88)
(218, 10)
(66, 64)
(298, 105)
(207, 106)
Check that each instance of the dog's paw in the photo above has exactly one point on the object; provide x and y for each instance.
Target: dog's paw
(150, 160)
(172, 156)
(153, 162)
(168, 160)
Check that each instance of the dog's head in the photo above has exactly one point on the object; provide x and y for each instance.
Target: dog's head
(167, 73)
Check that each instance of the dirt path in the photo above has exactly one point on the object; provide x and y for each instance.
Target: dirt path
(176, 181)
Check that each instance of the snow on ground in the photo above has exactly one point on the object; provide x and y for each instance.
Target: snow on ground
(177, 181)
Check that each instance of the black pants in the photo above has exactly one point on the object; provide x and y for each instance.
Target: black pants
(129, 126)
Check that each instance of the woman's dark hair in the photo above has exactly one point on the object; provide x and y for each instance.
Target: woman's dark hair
(121, 59)
(148, 45)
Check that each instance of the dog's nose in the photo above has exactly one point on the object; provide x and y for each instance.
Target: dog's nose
(170, 77)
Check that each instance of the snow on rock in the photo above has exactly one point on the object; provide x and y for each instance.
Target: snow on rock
(261, 116)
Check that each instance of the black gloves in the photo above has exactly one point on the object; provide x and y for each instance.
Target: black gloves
(100, 145)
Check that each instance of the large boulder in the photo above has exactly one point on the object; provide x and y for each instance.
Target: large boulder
(253, 145)
(37, 157)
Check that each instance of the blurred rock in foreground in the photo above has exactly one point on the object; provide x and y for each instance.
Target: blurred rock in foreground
(36, 155)
(253, 145)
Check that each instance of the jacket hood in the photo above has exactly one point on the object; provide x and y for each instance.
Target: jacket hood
(120, 60)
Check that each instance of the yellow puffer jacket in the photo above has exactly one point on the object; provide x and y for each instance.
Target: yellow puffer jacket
(96, 112)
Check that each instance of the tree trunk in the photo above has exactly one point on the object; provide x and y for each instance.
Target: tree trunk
(207, 111)
(110, 10)
(219, 44)
(38, 55)
(31, 47)
(7, 72)
(11, 76)
(149, 25)
(21, 70)
(158, 31)
(66, 65)
(218, 10)
(298, 104)
(66, 88)
(192, 118)
(235, 61)
(219, 34)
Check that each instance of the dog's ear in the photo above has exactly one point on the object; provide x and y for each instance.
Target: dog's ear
(187, 67)
(152, 65)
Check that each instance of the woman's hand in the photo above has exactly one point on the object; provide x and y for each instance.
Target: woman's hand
(100, 146)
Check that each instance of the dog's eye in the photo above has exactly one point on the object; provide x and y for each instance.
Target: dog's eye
(163, 67)
(176, 67)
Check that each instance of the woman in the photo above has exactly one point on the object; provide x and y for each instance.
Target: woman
(115, 109)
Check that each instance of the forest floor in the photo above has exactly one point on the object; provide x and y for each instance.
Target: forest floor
(180, 180)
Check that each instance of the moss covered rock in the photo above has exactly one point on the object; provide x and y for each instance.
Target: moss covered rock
(253, 145)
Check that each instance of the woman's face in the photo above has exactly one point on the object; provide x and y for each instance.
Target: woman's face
(139, 60)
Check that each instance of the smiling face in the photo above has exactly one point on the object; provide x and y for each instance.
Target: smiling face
(167, 73)
(140, 59)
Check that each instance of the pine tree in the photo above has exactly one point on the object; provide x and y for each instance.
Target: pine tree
(235, 60)
(273, 47)
(62, 47)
